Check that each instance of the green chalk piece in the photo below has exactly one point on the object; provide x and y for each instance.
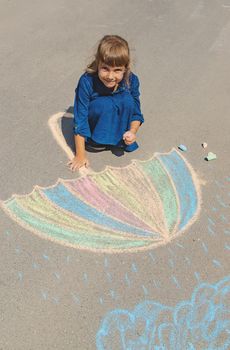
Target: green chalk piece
(182, 148)
(210, 156)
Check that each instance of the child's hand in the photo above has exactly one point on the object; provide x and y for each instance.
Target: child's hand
(129, 137)
(77, 162)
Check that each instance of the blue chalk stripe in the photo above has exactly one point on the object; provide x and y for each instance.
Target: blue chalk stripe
(66, 200)
(184, 186)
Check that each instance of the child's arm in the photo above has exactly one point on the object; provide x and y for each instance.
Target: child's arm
(130, 136)
(135, 126)
(137, 118)
(80, 158)
(81, 125)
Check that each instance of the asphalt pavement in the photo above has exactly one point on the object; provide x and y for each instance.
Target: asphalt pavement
(174, 295)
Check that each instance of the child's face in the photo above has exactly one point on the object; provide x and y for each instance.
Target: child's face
(110, 76)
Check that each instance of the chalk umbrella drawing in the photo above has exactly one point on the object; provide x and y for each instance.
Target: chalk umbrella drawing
(140, 206)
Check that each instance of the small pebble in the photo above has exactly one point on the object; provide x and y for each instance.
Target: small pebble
(210, 156)
(204, 145)
(182, 148)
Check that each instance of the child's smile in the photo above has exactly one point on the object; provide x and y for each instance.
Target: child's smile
(110, 76)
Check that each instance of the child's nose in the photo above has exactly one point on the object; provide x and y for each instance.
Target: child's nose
(111, 76)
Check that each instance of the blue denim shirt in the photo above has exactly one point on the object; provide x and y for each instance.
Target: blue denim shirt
(105, 115)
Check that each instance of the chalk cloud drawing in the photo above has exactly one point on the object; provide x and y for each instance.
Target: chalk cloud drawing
(140, 206)
(203, 322)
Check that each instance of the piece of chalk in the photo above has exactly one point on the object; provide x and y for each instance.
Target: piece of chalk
(182, 148)
(210, 156)
(204, 145)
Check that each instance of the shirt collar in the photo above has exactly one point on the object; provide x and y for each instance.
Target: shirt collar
(99, 87)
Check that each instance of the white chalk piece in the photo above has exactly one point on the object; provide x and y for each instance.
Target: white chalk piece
(210, 156)
(204, 145)
(182, 148)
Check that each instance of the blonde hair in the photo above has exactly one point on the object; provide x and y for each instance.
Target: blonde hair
(113, 51)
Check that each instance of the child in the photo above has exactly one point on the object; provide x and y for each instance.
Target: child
(107, 106)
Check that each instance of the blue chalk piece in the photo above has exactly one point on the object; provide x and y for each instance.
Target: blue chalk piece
(182, 148)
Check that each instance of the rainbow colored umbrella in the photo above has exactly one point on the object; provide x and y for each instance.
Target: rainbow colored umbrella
(142, 205)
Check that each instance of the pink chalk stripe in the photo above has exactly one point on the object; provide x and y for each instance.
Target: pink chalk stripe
(89, 191)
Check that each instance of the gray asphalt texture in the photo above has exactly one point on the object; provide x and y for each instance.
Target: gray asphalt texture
(51, 296)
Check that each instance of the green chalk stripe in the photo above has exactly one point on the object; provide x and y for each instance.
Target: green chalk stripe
(160, 179)
(109, 184)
